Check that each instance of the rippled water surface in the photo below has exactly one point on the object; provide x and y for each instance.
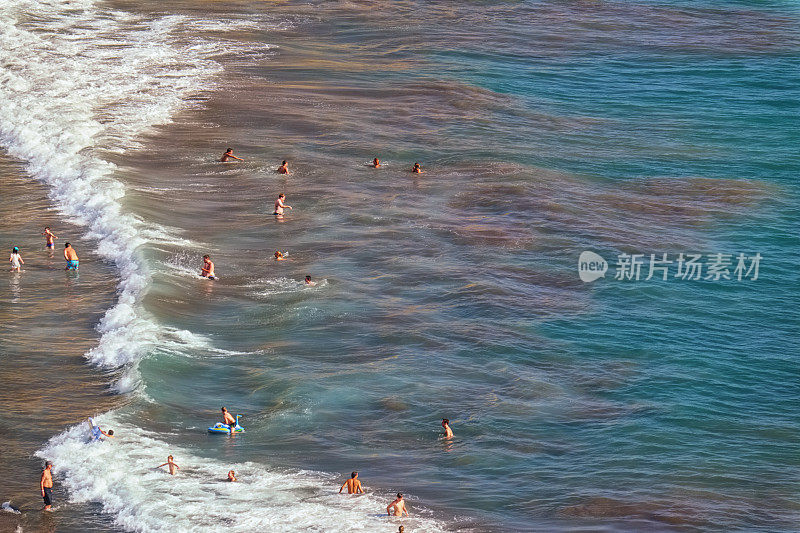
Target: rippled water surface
(544, 129)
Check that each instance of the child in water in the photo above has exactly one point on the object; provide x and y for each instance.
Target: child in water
(171, 464)
(16, 260)
(229, 155)
(280, 256)
(208, 268)
(376, 163)
(232, 475)
(309, 282)
(416, 169)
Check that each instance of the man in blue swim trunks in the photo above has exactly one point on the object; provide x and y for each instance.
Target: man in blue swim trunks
(97, 433)
(71, 257)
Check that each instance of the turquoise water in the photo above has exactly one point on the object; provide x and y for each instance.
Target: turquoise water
(545, 129)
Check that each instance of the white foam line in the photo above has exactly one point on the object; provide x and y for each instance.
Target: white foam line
(120, 474)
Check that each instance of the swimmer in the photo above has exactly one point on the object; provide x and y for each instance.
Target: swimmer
(15, 259)
(284, 168)
(49, 236)
(229, 155)
(171, 464)
(46, 484)
(309, 282)
(416, 169)
(353, 485)
(448, 433)
(208, 268)
(97, 433)
(71, 257)
(279, 205)
(399, 506)
(280, 256)
(376, 163)
(401, 530)
(232, 476)
(228, 418)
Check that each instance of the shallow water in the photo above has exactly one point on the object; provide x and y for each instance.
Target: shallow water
(545, 129)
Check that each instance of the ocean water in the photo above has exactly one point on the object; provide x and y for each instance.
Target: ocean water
(545, 129)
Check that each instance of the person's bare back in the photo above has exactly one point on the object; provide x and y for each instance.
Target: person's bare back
(353, 485)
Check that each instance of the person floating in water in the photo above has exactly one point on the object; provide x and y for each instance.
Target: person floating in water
(97, 433)
(71, 256)
(376, 163)
(280, 206)
(448, 433)
(353, 485)
(46, 484)
(49, 236)
(228, 155)
(228, 418)
(284, 168)
(171, 464)
(416, 169)
(15, 259)
(280, 256)
(309, 282)
(232, 476)
(208, 268)
(399, 505)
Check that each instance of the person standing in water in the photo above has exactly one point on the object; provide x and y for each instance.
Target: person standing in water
(228, 155)
(15, 259)
(280, 206)
(448, 433)
(232, 476)
(376, 163)
(208, 268)
(284, 168)
(46, 484)
(353, 485)
(416, 169)
(399, 505)
(49, 236)
(171, 464)
(71, 257)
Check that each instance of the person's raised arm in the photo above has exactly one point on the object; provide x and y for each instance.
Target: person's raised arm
(165, 464)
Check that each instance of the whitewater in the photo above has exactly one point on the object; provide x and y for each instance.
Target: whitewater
(80, 81)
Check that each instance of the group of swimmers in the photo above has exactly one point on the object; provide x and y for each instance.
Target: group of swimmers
(284, 168)
(70, 255)
(397, 507)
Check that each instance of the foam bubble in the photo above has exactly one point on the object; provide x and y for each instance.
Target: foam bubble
(121, 476)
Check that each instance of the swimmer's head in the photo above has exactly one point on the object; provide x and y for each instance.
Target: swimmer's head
(401, 529)
(15, 250)
(110, 432)
(47, 227)
(281, 195)
(229, 150)
(48, 464)
(206, 257)
(169, 457)
(284, 162)
(354, 475)
(66, 245)
(224, 410)
(445, 421)
(308, 278)
(399, 495)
